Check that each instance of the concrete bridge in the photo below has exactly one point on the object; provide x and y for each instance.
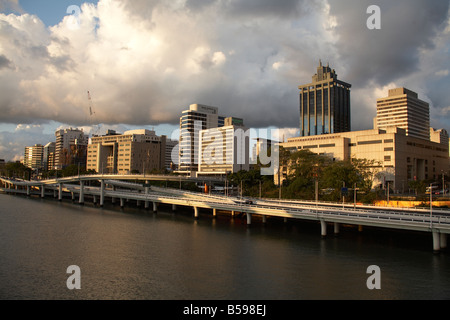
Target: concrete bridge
(125, 188)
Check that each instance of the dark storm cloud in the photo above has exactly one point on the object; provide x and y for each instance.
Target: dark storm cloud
(384, 55)
(146, 61)
(5, 62)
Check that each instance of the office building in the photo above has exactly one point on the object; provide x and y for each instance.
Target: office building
(324, 104)
(34, 157)
(49, 156)
(70, 148)
(398, 144)
(198, 117)
(403, 109)
(224, 150)
(135, 151)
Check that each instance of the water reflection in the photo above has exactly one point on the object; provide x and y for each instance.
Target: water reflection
(133, 253)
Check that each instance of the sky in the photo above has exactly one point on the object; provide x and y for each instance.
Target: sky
(145, 61)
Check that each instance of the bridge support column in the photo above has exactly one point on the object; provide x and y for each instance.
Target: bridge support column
(94, 198)
(60, 192)
(214, 212)
(28, 190)
(155, 207)
(336, 228)
(81, 198)
(42, 191)
(264, 218)
(73, 195)
(436, 242)
(102, 193)
(323, 228)
(195, 212)
(122, 202)
(249, 219)
(146, 190)
(138, 203)
(232, 213)
(174, 207)
(443, 240)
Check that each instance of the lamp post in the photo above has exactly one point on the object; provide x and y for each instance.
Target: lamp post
(431, 207)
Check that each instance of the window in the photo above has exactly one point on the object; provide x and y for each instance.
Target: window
(370, 142)
(389, 149)
(387, 158)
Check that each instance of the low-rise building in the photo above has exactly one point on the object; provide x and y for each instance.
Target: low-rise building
(135, 151)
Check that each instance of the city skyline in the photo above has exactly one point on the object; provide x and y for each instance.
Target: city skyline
(254, 76)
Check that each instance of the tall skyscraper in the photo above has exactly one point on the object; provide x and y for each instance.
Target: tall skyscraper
(324, 104)
(403, 109)
(192, 121)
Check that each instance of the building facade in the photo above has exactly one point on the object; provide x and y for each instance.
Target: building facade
(403, 109)
(70, 148)
(224, 150)
(49, 156)
(198, 117)
(34, 157)
(135, 151)
(324, 104)
(398, 145)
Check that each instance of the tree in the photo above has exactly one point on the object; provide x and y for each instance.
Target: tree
(338, 174)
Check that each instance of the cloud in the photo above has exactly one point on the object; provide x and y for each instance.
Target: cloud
(146, 61)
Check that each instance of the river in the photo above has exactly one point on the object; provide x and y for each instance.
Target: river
(134, 254)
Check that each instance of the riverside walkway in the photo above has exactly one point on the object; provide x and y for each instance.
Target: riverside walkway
(125, 188)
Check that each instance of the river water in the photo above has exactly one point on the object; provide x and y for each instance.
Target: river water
(135, 254)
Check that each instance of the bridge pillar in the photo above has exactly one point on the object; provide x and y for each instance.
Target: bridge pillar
(443, 240)
(249, 219)
(232, 213)
(122, 202)
(42, 191)
(264, 218)
(60, 192)
(214, 212)
(28, 190)
(436, 242)
(146, 204)
(336, 228)
(155, 207)
(81, 198)
(195, 212)
(102, 193)
(138, 203)
(73, 195)
(323, 227)
(174, 207)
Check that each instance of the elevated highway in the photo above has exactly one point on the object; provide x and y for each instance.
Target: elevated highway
(125, 188)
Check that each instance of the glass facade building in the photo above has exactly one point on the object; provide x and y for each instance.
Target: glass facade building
(324, 104)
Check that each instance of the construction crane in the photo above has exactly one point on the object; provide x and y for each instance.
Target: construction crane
(95, 125)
